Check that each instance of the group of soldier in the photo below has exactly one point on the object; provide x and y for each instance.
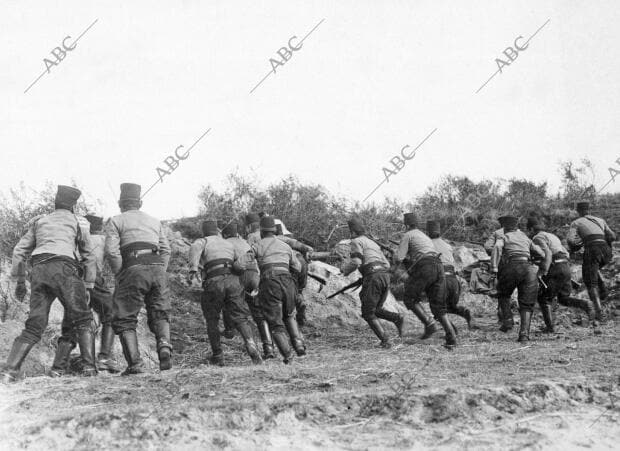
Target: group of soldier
(118, 268)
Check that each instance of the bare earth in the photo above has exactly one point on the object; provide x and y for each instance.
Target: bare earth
(559, 391)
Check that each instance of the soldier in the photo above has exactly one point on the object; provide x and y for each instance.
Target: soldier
(453, 287)
(252, 228)
(249, 280)
(138, 252)
(556, 275)
(426, 275)
(510, 260)
(60, 248)
(219, 261)
(596, 237)
(489, 244)
(302, 252)
(276, 290)
(366, 255)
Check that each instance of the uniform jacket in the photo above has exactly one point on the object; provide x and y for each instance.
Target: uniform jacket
(585, 226)
(271, 250)
(513, 244)
(364, 251)
(59, 233)
(489, 244)
(129, 227)
(551, 246)
(415, 244)
(445, 251)
(245, 252)
(214, 248)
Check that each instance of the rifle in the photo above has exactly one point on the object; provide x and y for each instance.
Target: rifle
(381, 245)
(355, 284)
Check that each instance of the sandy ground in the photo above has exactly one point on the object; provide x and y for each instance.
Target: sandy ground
(559, 391)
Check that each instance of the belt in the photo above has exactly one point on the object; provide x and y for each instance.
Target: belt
(594, 238)
(270, 266)
(221, 271)
(561, 260)
(372, 268)
(518, 259)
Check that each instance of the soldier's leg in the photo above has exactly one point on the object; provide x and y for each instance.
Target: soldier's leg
(545, 299)
(414, 288)
(237, 310)
(41, 298)
(101, 303)
(128, 299)
(564, 289)
(436, 292)
(229, 326)
(71, 292)
(66, 343)
(271, 297)
(453, 294)
(590, 272)
(157, 301)
(289, 290)
(212, 301)
(382, 313)
(527, 288)
(261, 324)
(505, 286)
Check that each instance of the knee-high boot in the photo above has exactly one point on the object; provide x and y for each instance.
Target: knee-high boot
(296, 338)
(86, 342)
(19, 351)
(281, 340)
(547, 315)
(377, 328)
(164, 348)
(465, 314)
(430, 326)
(506, 313)
(129, 343)
(248, 337)
(596, 301)
(105, 360)
(61, 359)
(265, 336)
(524, 327)
(449, 330)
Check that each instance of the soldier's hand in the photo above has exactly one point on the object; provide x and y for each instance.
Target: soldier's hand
(20, 290)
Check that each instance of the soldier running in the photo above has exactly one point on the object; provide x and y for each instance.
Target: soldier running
(511, 261)
(138, 252)
(60, 248)
(595, 236)
(426, 275)
(249, 280)
(302, 252)
(366, 255)
(220, 261)
(556, 275)
(453, 286)
(277, 290)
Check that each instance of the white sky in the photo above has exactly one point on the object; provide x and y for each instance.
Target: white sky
(373, 77)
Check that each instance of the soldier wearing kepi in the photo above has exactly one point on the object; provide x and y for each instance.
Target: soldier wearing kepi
(249, 280)
(252, 228)
(453, 287)
(302, 252)
(510, 259)
(222, 290)
(426, 275)
(596, 237)
(366, 255)
(277, 290)
(60, 249)
(138, 252)
(556, 274)
(102, 295)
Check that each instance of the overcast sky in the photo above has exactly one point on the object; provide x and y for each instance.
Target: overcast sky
(373, 77)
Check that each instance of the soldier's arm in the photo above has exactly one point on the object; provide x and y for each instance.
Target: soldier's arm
(546, 264)
(356, 257)
(295, 265)
(608, 232)
(295, 244)
(21, 253)
(112, 250)
(489, 244)
(496, 254)
(195, 251)
(87, 251)
(403, 250)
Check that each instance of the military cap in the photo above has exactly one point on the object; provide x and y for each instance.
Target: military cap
(583, 206)
(209, 227)
(96, 222)
(433, 228)
(67, 196)
(230, 229)
(267, 224)
(508, 222)
(355, 225)
(410, 219)
(130, 191)
(251, 218)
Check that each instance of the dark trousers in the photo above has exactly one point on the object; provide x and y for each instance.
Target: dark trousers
(137, 286)
(249, 282)
(522, 276)
(375, 288)
(222, 292)
(595, 256)
(62, 280)
(427, 276)
(277, 294)
(558, 282)
(453, 293)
